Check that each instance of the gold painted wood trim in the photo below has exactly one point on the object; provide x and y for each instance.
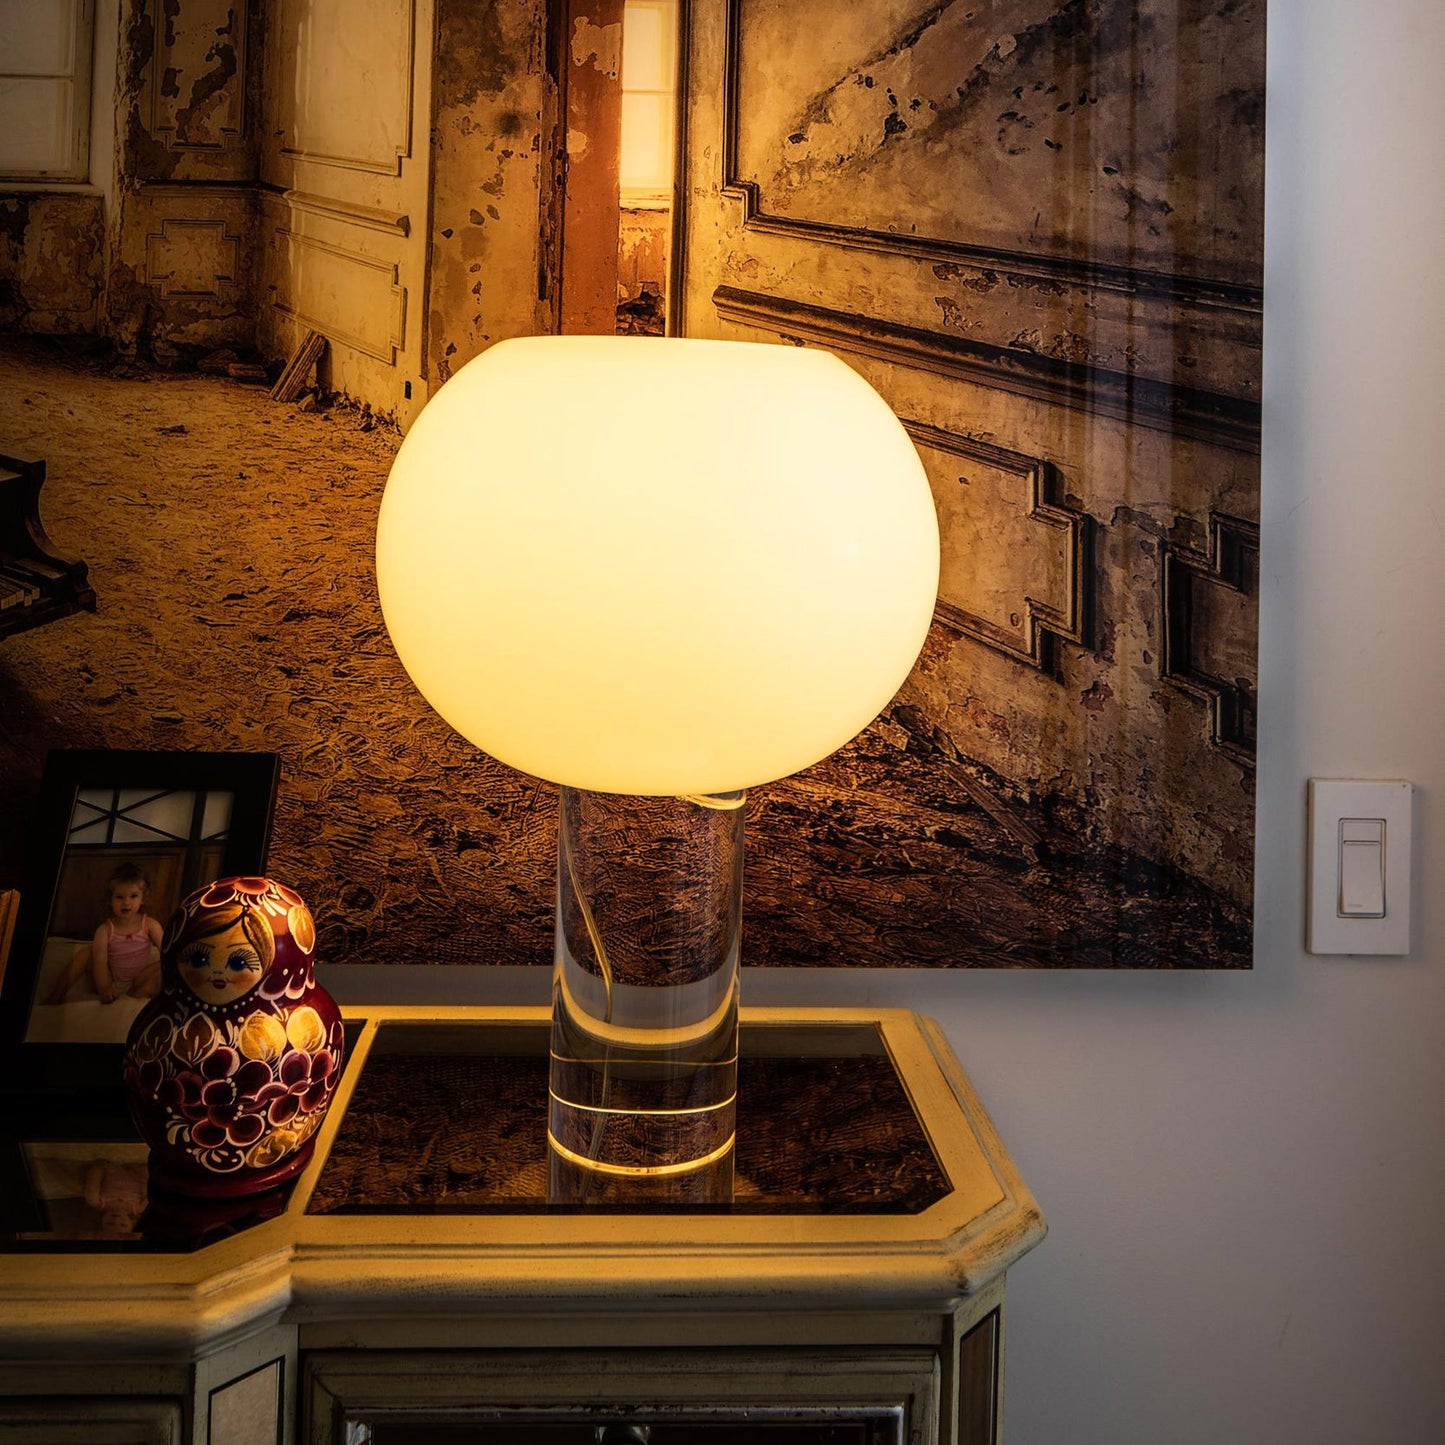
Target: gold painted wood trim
(891, 1387)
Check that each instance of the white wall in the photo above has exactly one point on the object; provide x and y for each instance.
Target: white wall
(1244, 1175)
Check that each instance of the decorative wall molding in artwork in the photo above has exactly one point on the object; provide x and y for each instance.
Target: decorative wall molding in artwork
(374, 218)
(198, 59)
(1199, 640)
(396, 42)
(1039, 226)
(1181, 411)
(1033, 624)
(1134, 281)
(355, 300)
(192, 259)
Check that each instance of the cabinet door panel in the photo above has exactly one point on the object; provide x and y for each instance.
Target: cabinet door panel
(83, 1420)
(822, 1396)
(583, 1430)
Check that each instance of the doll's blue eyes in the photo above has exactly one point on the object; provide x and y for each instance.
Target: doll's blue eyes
(238, 962)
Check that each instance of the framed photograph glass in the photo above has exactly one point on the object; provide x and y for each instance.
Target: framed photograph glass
(118, 839)
(66, 1187)
(73, 1190)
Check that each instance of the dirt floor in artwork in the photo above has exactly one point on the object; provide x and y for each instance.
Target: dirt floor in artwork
(230, 546)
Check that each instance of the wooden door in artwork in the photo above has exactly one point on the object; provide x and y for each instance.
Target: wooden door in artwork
(345, 166)
(1036, 227)
(612, 203)
(590, 82)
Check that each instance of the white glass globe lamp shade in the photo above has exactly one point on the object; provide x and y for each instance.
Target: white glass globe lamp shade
(657, 566)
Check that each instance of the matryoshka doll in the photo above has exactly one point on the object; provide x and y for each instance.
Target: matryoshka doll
(230, 1069)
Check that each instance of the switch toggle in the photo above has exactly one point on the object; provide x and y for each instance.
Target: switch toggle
(1362, 868)
(1359, 866)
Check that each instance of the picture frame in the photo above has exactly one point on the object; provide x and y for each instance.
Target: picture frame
(110, 823)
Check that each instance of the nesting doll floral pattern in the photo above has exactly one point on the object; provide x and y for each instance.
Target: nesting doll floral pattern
(231, 1068)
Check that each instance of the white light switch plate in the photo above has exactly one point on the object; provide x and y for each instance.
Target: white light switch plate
(1344, 813)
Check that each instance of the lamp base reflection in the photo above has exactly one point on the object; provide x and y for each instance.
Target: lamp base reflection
(643, 1078)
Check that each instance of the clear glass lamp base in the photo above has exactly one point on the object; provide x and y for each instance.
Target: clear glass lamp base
(644, 1050)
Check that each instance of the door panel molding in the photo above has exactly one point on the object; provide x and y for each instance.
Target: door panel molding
(1230, 565)
(213, 33)
(374, 218)
(376, 328)
(1182, 411)
(1135, 281)
(295, 146)
(1042, 621)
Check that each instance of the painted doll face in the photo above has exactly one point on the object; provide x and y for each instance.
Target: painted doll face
(221, 968)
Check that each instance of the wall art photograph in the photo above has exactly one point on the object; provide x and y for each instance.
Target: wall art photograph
(1034, 226)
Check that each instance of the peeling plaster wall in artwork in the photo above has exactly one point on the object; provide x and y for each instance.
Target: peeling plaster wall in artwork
(1118, 134)
(491, 143)
(642, 263)
(52, 259)
(183, 225)
(1035, 226)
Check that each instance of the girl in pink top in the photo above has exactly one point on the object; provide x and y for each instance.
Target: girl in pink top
(125, 952)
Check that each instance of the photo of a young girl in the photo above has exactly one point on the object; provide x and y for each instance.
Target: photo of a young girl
(123, 958)
(87, 1190)
(101, 957)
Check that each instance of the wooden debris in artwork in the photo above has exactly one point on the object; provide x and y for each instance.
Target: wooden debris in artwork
(296, 378)
(218, 363)
(1028, 838)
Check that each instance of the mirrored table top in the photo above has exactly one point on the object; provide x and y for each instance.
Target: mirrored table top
(449, 1117)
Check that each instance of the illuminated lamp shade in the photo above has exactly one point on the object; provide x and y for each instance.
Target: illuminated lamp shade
(654, 568)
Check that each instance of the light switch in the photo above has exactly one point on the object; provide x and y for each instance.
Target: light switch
(1359, 846)
(1362, 868)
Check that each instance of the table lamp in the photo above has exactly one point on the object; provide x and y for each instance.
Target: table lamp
(656, 572)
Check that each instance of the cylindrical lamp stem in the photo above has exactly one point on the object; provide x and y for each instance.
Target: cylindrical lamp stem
(645, 999)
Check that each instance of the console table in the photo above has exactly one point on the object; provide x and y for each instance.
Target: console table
(413, 1285)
